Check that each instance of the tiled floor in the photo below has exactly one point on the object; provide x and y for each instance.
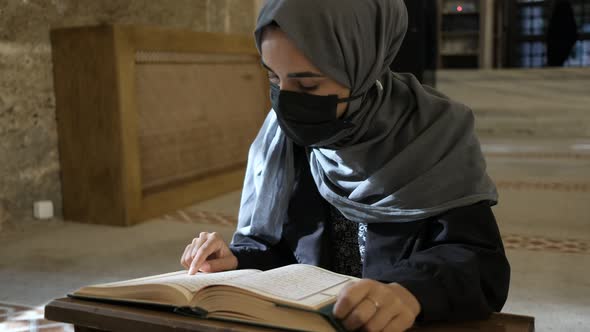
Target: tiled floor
(511, 241)
(528, 103)
(535, 132)
(544, 185)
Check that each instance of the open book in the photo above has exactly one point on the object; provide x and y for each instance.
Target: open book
(296, 297)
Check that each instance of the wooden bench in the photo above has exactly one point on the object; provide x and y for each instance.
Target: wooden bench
(88, 316)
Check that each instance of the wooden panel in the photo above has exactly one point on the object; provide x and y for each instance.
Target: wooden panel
(172, 40)
(89, 139)
(152, 120)
(185, 193)
(173, 50)
(188, 128)
(127, 111)
(486, 59)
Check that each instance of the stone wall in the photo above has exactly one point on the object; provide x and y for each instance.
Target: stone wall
(29, 160)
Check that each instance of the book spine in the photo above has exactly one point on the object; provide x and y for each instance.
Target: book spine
(191, 312)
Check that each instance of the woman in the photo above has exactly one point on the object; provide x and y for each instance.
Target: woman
(364, 172)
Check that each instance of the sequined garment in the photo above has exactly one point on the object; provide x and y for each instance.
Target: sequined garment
(348, 244)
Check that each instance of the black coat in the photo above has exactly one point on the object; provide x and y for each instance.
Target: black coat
(454, 263)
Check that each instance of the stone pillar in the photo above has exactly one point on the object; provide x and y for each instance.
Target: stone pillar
(487, 34)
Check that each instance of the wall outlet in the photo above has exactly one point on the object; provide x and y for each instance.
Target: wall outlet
(43, 209)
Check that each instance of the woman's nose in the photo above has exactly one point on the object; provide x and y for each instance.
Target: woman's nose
(288, 86)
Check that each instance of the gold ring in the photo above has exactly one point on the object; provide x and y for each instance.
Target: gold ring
(375, 303)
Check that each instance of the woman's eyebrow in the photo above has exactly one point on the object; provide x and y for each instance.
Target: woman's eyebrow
(295, 75)
(304, 74)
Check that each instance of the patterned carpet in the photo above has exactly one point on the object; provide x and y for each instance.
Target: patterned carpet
(200, 217)
(17, 318)
(511, 241)
(537, 243)
(544, 186)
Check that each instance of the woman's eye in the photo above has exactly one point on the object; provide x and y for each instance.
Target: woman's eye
(273, 78)
(308, 87)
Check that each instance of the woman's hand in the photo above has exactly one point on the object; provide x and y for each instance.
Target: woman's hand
(208, 253)
(374, 306)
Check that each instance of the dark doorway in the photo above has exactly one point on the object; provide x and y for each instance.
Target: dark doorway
(419, 50)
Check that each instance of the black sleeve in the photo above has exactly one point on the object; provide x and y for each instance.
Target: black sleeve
(454, 264)
(253, 253)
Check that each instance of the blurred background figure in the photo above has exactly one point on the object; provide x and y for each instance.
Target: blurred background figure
(419, 51)
(562, 33)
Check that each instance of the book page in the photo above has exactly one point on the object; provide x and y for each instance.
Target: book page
(182, 279)
(299, 283)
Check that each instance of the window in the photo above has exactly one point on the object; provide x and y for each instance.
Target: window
(533, 54)
(580, 56)
(532, 51)
(531, 20)
(530, 30)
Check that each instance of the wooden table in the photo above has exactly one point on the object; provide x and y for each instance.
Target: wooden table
(88, 316)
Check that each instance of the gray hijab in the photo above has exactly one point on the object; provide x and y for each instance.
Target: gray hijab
(412, 153)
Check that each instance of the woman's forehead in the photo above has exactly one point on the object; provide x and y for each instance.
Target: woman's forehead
(280, 53)
(330, 34)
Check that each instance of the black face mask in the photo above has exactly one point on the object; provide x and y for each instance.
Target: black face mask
(308, 119)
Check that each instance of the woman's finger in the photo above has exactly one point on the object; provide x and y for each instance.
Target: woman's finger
(207, 250)
(213, 240)
(360, 315)
(197, 243)
(401, 322)
(187, 253)
(381, 319)
(220, 264)
(195, 248)
(184, 255)
(349, 297)
(203, 252)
